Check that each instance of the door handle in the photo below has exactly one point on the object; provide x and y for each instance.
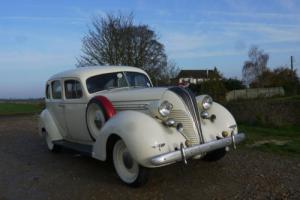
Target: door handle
(61, 105)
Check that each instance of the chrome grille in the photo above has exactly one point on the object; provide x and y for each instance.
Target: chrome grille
(188, 129)
(190, 101)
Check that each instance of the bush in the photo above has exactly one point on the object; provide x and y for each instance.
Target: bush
(233, 84)
(215, 88)
(279, 77)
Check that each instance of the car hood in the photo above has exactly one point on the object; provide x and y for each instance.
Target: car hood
(133, 94)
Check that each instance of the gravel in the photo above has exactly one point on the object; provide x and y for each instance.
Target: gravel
(29, 171)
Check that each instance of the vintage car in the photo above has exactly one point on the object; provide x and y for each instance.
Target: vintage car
(114, 113)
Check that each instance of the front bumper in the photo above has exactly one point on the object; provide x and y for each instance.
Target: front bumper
(185, 153)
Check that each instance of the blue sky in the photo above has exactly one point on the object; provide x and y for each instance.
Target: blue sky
(39, 38)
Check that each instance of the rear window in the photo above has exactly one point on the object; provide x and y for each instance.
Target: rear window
(73, 89)
(56, 90)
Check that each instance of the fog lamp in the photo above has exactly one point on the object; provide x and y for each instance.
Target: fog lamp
(204, 115)
(225, 133)
(169, 122)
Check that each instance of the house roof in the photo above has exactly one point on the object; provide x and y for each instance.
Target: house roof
(195, 73)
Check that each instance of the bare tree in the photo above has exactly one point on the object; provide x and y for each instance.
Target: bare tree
(169, 72)
(255, 66)
(115, 40)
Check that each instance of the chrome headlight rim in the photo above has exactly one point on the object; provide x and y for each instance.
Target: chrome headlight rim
(165, 108)
(207, 102)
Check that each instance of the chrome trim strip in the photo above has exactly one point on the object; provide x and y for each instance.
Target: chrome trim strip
(130, 101)
(130, 106)
(175, 156)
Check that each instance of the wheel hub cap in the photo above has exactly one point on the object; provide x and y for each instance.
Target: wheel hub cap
(127, 160)
(98, 121)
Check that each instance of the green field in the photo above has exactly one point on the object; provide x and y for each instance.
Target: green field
(20, 108)
(283, 140)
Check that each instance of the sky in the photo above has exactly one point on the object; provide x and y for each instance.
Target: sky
(39, 38)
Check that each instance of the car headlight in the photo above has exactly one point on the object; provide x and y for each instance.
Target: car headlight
(165, 108)
(207, 102)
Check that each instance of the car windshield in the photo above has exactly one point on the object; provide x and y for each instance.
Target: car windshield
(117, 80)
(136, 79)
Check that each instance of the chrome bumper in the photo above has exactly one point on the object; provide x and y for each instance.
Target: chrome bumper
(184, 153)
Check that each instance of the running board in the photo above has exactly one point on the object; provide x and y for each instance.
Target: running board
(84, 149)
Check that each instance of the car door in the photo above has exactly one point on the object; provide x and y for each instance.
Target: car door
(75, 109)
(57, 108)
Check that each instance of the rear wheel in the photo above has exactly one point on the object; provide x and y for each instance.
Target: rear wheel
(129, 171)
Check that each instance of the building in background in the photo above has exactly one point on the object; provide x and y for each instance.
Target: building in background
(195, 76)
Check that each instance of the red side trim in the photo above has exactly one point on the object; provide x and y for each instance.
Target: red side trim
(107, 105)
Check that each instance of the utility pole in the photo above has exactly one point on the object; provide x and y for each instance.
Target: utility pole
(292, 63)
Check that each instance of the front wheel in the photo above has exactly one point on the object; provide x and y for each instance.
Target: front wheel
(215, 155)
(129, 171)
(51, 147)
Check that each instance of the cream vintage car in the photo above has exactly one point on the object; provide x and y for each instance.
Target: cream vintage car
(115, 113)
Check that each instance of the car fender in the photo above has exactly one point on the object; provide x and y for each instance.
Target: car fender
(224, 122)
(46, 122)
(143, 135)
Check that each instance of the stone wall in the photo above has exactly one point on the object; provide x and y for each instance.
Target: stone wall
(254, 93)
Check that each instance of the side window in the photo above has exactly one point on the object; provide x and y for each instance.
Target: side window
(48, 91)
(56, 90)
(73, 89)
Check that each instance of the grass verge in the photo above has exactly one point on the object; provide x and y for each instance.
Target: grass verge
(19, 108)
(283, 140)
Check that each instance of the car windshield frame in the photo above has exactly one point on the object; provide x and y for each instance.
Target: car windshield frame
(124, 75)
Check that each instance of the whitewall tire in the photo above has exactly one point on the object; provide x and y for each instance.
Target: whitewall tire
(129, 171)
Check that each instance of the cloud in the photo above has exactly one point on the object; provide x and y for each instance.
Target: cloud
(226, 38)
(240, 45)
(20, 39)
(255, 15)
(283, 50)
(201, 54)
(34, 18)
(23, 74)
(239, 5)
(163, 13)
(289, 4)
(193, 45)
(183, 42)
(35, 60)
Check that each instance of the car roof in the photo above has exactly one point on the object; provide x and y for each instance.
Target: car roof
(86, 72)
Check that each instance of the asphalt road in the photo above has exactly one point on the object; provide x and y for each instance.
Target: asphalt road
(29, 171)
